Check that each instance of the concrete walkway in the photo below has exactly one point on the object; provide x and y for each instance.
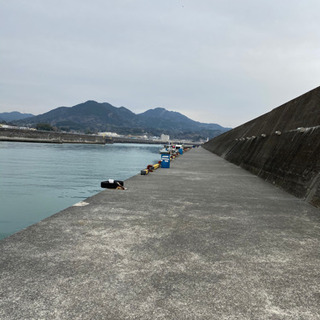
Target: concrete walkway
(201, 240)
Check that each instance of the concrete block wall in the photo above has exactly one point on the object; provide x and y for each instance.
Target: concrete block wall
(282, 146)
(48, 137)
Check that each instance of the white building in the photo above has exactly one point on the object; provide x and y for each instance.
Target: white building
(164, 137)
(108, 134)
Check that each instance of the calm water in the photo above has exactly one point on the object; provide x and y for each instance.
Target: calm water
(38, 180)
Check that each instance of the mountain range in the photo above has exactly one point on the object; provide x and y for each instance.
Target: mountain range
(92, 117)
(11, 116)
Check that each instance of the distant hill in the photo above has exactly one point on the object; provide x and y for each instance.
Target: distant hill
(12, 116)
(162, 118)
(92, 116)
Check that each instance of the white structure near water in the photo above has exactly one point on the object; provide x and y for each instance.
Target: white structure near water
(165, 137)
(109, 134)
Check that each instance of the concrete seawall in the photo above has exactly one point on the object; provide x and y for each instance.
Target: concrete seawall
(282, 146)
(204, 239)
(48, 137)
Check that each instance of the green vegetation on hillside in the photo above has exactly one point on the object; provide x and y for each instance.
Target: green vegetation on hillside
(94, 117)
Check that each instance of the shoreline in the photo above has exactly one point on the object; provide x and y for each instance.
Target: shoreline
(24, 135)
(88, 187)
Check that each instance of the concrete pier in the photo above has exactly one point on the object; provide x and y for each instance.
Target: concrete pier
(25, 135)
(204, 239)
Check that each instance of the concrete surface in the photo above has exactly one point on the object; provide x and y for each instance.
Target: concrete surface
(202, 240)
(21, 135)
(281, 146)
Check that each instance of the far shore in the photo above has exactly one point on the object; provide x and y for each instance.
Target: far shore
(20, 135)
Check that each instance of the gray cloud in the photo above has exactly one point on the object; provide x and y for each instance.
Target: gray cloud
(217, 61)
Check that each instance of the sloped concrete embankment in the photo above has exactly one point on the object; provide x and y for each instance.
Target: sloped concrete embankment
(282, 146)
(48, 137)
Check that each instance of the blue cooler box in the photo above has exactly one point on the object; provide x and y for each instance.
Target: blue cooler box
(165, 161)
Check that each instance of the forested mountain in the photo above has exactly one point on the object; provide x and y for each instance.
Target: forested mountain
(11, 116)
(92, 116)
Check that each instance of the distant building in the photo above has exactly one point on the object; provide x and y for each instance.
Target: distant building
(5, 126)
(109, 134)
(164, 137)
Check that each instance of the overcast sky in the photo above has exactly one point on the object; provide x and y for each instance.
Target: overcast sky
(219, 61)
